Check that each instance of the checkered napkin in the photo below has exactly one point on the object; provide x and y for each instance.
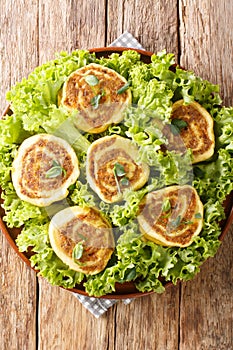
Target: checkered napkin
(99, 306)
(127, 40)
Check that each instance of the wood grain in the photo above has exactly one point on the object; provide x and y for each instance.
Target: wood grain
(153, 23)
(17, 302)
(70, 25)
(206, 42)
(18, 56)
(66, 324)
(149, 323)
(65, 27)
(206, 303)
(193, 316)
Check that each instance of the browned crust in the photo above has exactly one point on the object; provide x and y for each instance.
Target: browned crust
(78, 94)
(197, 135)
(104, 177)
(98, 242)
(162, 223)
(37, 161)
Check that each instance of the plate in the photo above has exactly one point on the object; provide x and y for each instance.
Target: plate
(127, 289)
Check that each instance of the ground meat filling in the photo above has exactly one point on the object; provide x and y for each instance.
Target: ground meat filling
(176, 225)
(37, 162)
(96, 239)
(106, 178)
(194, 135)
(79, 95)
(103, 170)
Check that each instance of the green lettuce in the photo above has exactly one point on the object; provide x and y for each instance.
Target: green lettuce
(155, 87)
(34, 99)
(18, 212)
(34, 235)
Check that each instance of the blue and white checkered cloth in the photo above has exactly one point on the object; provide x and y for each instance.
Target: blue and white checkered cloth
(127, 40)
(99, 306)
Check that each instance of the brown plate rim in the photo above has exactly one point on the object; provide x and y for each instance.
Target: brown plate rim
(125, 290)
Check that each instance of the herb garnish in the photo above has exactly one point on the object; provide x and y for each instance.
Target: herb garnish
(55, 170)
(198, 216)
(177, 125)
(119, 171)
(96, 99)
(176, 222)
(124, 181)
(124, 88)
(189, 222)
(166, 206)
(92, 80)
(84, 238)
(78, 251)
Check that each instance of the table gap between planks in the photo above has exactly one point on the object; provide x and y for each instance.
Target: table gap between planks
(196, 315)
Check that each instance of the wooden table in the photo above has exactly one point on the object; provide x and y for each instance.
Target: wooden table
(192, 316)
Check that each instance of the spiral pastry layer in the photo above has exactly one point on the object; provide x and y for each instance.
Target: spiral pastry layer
(105, 157)
(171, 216)
(88, 228)
(94, 91)
(44, 168)
(197, 134)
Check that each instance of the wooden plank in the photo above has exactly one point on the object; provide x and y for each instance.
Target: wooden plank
(206, 42)
(70, 25)
(18, 56)
(18, 51)
(151, 322)
(206, 308)
(17, 302)
(153, 23)
(67, 26)
(66, 324)
(207, 303)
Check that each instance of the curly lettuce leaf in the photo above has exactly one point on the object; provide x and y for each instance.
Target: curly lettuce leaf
(18, 212)
(215, 179)
(121, 63)
(35, 236)
(12, 131)
(154, 87)
(7, 155)
(224, 128)
(35, 99)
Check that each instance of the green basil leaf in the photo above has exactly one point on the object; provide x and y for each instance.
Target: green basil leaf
(95, 101)
(176, 222)
(189, 222)
(77, 251)
(84, 238)
(124, 181)
(119, 169)
(55, 163)
(198, 216)
(177, 125)
(123, 88)
(174, 129)
(55, 170)
(92, 80)
(166, 205)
